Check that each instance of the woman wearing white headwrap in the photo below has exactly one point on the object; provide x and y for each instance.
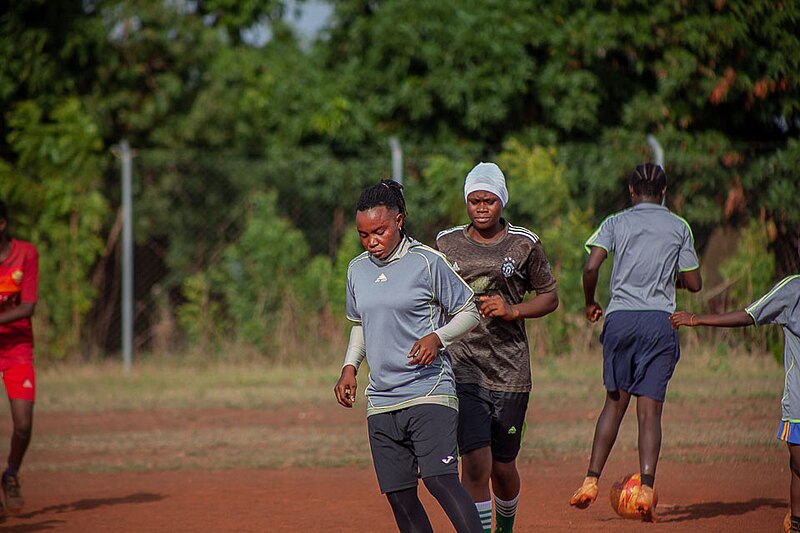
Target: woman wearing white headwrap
(502, 263)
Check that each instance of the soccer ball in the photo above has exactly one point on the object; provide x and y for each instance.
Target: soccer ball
(623, 496)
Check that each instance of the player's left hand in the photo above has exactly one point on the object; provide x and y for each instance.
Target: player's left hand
(424, 350)
(682, 318)
(496, 307)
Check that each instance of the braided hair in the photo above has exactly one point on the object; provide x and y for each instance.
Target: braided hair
(648, 180)
(387, 193)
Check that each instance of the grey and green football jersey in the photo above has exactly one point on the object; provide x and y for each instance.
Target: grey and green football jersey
(650, 244)
(398, 302)
(781, 305)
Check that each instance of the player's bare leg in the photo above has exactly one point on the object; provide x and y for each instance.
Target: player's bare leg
(794, 494)
(605, 434)
(476, 470)
(648, 413)
(505, 480)
(22, 416)
(506, 487)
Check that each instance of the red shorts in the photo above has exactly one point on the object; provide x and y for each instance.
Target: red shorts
(20, 382)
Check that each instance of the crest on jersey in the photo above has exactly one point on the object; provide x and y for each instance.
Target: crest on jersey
(508, 268)
(16, 277)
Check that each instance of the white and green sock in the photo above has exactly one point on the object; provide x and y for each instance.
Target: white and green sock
(506, 512)
(485, 513)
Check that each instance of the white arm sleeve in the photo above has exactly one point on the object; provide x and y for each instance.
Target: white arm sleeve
(356, 348)
(461, 323)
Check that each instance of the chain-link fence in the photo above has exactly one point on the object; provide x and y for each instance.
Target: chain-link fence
(238, 253)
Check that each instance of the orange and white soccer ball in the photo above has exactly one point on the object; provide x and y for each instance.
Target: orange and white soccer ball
(623, 496)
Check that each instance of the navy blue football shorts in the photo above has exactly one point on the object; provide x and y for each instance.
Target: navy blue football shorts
(640, 351)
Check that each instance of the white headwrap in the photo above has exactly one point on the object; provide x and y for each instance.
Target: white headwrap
(486, 177)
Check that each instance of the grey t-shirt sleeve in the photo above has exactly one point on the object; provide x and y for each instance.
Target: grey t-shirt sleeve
(687, 257)
(775, 306)
(351, 307)
(602, 237)
(449, 289)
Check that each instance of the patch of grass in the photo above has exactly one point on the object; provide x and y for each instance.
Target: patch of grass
(720, 408)
(177, 384)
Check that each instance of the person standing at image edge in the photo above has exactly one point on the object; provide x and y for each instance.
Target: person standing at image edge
(19, 278)
(502, 263)
(781, 305)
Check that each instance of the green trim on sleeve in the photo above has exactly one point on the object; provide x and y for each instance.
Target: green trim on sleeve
(593, 235)
(691, 234)
(750, 308)
(767, 296)
(589, 245)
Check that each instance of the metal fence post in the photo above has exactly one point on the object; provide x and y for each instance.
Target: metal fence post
(127, 257)
(397, 159)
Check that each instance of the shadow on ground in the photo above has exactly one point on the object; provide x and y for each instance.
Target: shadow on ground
(94, 503)
(696, 511)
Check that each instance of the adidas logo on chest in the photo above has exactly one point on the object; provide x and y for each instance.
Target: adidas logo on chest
(381, 278)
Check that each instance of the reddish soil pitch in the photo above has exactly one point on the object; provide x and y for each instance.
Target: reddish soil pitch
(740, 496)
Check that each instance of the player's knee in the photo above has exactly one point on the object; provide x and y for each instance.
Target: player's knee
(476, 471)
(22, 430)
(441, 485)
(402, 499)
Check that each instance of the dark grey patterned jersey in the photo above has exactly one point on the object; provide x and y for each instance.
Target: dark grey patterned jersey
(495, 354)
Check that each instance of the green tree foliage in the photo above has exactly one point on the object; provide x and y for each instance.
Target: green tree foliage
(221, 102)
(52, 189)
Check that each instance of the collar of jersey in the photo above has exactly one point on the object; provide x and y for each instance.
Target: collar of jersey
(501, 238)
(402, 249)
(648, 205)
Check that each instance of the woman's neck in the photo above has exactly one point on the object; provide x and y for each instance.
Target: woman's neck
(488, 234)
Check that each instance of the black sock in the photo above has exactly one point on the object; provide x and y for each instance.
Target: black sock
(795, 523)
(592, 473)
(648, 479)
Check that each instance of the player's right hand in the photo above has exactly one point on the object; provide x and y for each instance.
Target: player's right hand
(594, 312)
(345, 389)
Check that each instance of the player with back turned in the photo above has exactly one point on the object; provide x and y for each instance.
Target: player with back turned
(19, 277)
(781, 305)
(653, 252)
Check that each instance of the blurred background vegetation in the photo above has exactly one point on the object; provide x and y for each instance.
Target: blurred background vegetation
(253, 136)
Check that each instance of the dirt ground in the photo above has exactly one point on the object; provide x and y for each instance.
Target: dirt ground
(746, 496)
